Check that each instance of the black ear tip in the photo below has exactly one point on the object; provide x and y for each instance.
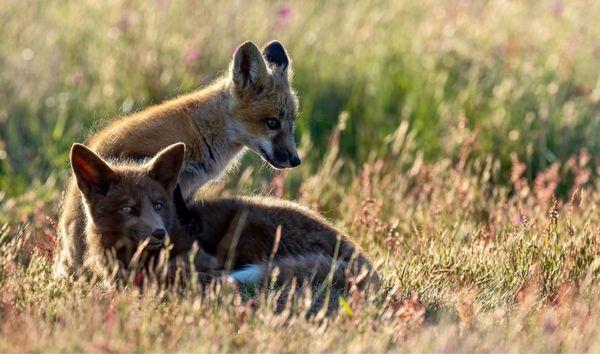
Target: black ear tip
(79, 149)
(275, 53)
(77, 146)
(276, 45)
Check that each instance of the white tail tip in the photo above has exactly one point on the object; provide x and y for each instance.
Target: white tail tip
(251, 274)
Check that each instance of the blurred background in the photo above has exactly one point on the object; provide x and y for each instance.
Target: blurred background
(456, 142)
(460, 81)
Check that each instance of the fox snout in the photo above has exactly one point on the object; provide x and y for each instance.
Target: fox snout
(285, 157)
(159, 234)
(154, 232)
(280, 151)
(279, 157)
(155, 238)
(152, 226)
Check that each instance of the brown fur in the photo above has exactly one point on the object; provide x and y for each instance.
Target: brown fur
(242, 232)
(121, 205)
(216, 124)
(237, 232)
(312, 268)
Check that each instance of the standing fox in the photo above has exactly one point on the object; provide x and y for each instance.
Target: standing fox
(253, 106)
(128, 205)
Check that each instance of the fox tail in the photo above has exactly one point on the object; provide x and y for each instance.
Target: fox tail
(314, 269)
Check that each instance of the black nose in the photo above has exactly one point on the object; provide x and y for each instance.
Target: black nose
(295, 160)
(159, 234)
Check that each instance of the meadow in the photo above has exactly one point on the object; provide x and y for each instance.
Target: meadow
(457, 142)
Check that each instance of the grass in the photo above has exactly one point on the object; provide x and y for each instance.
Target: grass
(457, 143)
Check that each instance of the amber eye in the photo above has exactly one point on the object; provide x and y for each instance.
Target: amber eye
(127, 210)
(273, 123)
(158, 206)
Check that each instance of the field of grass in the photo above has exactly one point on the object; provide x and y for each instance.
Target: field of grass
(457, 142)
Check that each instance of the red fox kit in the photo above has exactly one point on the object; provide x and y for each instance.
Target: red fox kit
(253, 106)
(127, 204)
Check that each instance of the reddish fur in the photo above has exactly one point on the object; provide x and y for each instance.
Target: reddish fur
(215, 123)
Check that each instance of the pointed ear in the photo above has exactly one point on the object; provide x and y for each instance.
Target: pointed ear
(166, 165)
(93, 174)
(249, 70)
(275, 55)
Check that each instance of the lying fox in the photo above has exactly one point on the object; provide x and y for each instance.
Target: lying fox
(129, 204)
(242, 232)
(253, 106)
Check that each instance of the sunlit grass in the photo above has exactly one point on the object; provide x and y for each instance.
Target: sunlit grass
(456, 142)
(524, 75)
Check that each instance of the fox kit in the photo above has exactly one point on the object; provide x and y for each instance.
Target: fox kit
(241, 233)
(126, 204)
(131, 204)
(253, 107)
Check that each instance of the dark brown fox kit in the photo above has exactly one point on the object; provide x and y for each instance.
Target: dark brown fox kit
(129, 204)
(253, 106)
(242, 234)
(126, 204)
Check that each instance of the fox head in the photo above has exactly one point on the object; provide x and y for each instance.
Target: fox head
(128, 204)
(265, 106)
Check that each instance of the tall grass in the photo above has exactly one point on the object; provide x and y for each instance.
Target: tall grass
(523, 74)
(467, 266)
(455, 142)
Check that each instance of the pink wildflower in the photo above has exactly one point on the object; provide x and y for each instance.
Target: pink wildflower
(124, 22)
(191, 55)
(284, 15)
(557, 8)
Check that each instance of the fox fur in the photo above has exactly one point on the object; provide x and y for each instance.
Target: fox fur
(129, 205)
(242, 232)
(126, 205)
(253, 106)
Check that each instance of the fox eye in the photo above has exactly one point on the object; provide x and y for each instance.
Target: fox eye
(158, 206)
(127, 210)
(273, 123)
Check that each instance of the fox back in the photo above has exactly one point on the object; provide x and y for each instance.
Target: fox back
(242, 233)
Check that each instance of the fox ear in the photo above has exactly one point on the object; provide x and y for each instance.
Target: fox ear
(249, 70)
(166, 165)
(275, 55)
(92, 173)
